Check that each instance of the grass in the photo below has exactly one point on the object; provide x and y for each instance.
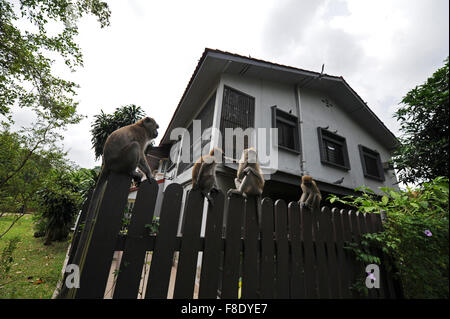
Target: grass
(35, 269)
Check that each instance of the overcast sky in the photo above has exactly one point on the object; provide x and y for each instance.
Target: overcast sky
(383, 48)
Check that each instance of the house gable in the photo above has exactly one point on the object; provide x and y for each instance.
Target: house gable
(213, 63)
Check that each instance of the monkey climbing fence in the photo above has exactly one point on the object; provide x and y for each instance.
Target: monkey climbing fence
(293, 253)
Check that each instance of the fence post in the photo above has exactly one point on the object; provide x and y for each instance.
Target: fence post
(250, 253)
(297, 289)
(209, 278)
(282, 251)
(132, 261)
(160, 267)
(267, 279)
(232, 252)
(100, 246)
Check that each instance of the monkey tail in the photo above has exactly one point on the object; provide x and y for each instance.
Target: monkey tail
(98, 190)
(102, 177)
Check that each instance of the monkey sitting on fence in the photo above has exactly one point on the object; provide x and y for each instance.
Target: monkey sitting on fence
(311, 195)
(249, 178)
(204, 173)
(124, 149)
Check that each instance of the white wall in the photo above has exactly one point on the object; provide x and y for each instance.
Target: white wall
(314, 114)
(268, 94)
(317, 114)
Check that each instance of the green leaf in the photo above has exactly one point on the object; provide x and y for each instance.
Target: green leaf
(424, 204)
(394, 194)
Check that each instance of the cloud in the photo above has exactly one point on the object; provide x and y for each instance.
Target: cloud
(382, 48)
(287, 25)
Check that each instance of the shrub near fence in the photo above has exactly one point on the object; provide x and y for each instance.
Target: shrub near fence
(292, 253)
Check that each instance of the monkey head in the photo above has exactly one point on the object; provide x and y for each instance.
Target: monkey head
(150, 125)
(306, 179)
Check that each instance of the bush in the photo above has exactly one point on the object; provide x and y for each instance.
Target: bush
(59, 202)
(415, 235)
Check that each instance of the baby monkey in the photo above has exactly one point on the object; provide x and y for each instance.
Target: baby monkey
(311, 196)
(204, 173)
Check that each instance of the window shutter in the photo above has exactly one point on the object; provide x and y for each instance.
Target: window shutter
(238, 111)
(371, 163)
(333, 149)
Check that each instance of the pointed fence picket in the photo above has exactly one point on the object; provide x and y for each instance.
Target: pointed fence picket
(261, 250)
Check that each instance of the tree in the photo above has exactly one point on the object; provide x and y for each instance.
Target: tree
(85, 179)
(27, 80)
(59, 202)
(415, 235)
(424, 119)
(26, 77)
(105, 124)
(24, 167)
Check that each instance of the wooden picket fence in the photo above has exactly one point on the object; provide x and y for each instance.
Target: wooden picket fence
(287, 252)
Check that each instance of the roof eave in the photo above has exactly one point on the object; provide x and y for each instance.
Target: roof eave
(218, 54)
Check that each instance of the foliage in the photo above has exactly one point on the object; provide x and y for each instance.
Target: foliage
(153, 228)
(26, 159)
(105, 124)
(415, 235)
(424, 119)
(32, 34)
(59, 202)
(26, 48)
(85, 179)
(126, 218)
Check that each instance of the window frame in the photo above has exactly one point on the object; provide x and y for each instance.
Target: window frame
(365, 151)
(291, 120)
(226, 120)
(336, 139)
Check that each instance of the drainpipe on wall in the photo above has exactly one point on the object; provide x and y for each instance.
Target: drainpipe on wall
(300, 131)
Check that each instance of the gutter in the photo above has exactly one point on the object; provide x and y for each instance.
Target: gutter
(298, 104)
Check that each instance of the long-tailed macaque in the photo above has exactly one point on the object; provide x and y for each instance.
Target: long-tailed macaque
(311, 195)
(124, 150)
(204, 173)
(249, 178)
(122, 153)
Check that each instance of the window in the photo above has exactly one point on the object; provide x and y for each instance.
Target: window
(238, 111)
(371, 163)
(333, 149)
(287, 125)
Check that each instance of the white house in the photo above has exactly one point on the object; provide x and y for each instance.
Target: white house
(324, 127)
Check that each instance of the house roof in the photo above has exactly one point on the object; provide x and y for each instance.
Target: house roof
(155, 153)
(215, 62)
